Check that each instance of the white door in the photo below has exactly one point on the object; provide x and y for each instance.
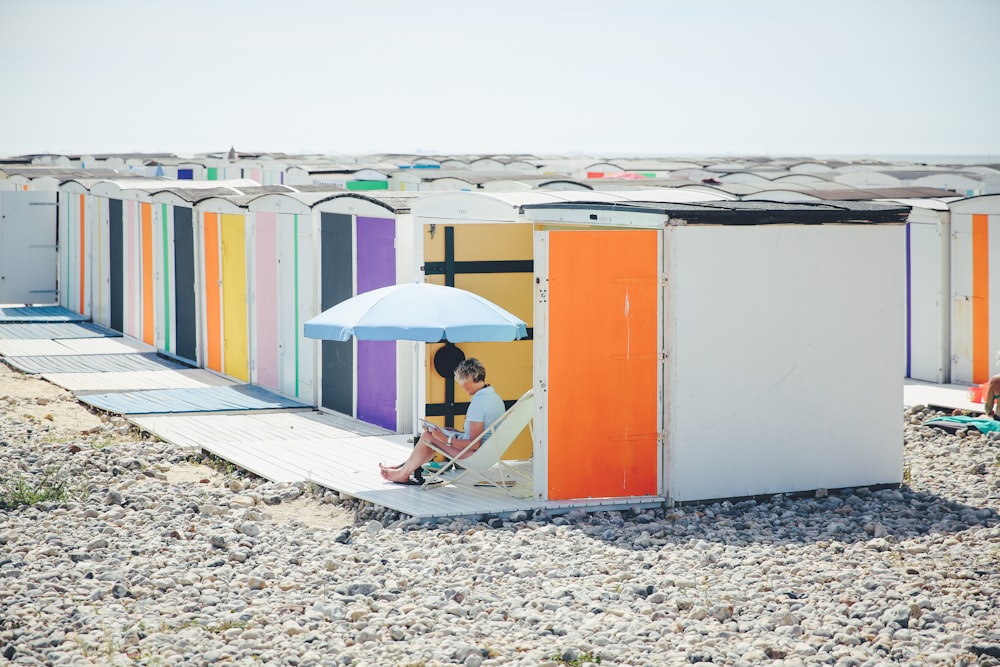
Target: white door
(28, 265)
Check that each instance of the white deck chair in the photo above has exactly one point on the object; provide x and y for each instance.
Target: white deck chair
(501, 435)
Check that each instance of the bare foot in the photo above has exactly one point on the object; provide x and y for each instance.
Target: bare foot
(394, 474)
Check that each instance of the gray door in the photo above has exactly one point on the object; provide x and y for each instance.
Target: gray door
(28, 263)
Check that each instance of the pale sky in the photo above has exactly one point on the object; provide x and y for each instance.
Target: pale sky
(618, 77)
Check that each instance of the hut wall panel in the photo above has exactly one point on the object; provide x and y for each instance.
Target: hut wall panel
(975, 314)
(100, 261)
(494, 260)
(292, 255)
(265, 300)
(65, 252)
(163, 277)
(29, 262)
(927, 327)
(376, 373)
(184, 284)
(337, 284)
(234, 297)
(133, 268)
(288, 314)
(116, 264)
(303, 258)
(83, 254)
(769, 329)
(75, 261)
(212, 292)
(603, 305)
(147, 271)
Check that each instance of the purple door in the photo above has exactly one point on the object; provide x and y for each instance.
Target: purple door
(376, 267)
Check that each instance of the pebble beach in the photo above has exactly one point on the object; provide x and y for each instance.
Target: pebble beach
(130, 564)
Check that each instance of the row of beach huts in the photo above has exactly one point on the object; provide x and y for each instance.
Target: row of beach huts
(697, 329)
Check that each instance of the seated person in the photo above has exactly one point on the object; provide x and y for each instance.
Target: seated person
(991, 404)
(485, 408)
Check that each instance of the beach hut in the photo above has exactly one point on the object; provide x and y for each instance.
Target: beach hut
(28, 223)
(80, 239)
(479, 241)
(123, 222)
(221, 286)
(975, 289)
(83, 240)
(716, 350)
(927, 322)
(927, 316)
(34, 208)
(364, 241)
(177, 257)
(928, 288)
(282, 284)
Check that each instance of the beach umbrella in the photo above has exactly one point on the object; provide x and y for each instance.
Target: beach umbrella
(418, 312)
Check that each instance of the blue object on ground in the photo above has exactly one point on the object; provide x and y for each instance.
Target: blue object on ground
(983, 424)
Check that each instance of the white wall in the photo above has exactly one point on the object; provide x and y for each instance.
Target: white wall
(964, 295)
(28, 269)
(784, 358)
(930, 295)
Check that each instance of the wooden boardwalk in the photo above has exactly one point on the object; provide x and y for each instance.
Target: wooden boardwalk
(330, 450)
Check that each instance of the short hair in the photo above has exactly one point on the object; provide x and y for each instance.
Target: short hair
(471, 369)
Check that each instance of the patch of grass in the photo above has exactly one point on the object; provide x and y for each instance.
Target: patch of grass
(579, 660)
(103, 442)
(20, 492)
(225, 625)
(220, 464)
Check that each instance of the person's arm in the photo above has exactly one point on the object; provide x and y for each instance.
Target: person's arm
(459, 444)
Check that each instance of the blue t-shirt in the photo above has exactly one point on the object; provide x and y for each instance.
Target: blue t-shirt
(486, 407)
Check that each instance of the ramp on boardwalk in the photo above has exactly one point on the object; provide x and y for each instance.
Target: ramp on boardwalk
(343, 454)
(91, 363)
(274, 437)
(96, 383)
(202, 399)
(37, 347)
(53, 330)
(11, 314)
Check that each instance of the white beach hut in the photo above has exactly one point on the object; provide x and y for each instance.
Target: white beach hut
(28, 223)
(975, 289)
(720, 350)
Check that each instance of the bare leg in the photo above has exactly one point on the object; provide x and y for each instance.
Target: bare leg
(420, 455)
(992, 393)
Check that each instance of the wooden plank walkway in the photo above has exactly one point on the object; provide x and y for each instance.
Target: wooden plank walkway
(230, 398)
(54, 330)
(945, 396)
(70, 346)
(323, 449)
(82, 383)
(282, 444)
(39, 314)
(91, 363)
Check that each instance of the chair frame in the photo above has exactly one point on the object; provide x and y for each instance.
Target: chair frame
(487, 455)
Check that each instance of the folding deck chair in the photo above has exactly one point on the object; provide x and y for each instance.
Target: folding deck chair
(498, 438)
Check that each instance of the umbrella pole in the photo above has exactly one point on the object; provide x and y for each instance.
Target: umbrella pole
(417, 389)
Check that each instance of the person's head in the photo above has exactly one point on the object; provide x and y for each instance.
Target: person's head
(470, 370)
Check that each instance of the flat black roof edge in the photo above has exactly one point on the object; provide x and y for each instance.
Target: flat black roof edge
(751, 213)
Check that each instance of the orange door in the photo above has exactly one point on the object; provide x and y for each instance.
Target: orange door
(603, 363)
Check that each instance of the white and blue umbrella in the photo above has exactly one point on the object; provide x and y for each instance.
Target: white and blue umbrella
(419, 312)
